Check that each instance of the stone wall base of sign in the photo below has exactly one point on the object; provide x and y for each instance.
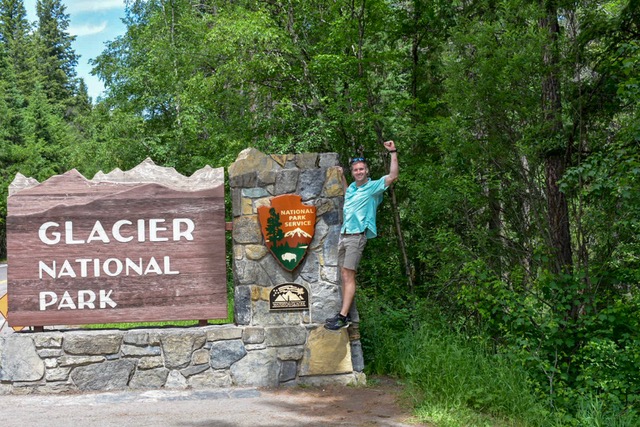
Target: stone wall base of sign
(176, 358)
(263, 348)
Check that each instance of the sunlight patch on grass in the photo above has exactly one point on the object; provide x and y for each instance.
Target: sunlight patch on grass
(442, 415)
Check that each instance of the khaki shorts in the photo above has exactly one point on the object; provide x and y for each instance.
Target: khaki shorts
(350, 248)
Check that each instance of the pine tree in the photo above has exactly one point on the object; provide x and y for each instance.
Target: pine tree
(56, 58)
(274, 232)
(15, 67)
(14, 36)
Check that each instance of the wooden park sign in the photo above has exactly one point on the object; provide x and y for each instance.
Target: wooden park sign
(288, 227)
(143, 245)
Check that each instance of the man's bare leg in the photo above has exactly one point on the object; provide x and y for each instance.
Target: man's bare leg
(348, 290)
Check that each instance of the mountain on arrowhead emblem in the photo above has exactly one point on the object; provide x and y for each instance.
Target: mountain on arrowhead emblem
(298, 233)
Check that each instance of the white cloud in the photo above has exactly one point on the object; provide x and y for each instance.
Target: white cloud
(80, 6)
(87, 29)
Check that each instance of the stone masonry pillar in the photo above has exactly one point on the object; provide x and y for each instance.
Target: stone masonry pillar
(255, 178)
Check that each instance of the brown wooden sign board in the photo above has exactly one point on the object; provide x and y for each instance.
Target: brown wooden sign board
(82, 252)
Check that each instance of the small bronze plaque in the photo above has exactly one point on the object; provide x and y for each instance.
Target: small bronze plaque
(289, 296)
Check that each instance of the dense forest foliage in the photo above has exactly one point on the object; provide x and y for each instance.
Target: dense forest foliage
(516, 216)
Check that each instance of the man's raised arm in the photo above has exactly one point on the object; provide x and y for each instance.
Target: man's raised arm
(393, 168)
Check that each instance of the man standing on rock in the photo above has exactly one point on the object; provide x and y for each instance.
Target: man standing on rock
(361, 202)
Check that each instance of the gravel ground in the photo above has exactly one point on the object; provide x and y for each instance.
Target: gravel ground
(376, 405)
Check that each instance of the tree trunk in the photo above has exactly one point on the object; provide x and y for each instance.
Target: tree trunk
(555, 156)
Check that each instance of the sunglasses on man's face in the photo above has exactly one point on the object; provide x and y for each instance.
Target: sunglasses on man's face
(358, 159)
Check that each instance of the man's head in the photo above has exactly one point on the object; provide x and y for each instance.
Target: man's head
(359, 161)
(359, 169)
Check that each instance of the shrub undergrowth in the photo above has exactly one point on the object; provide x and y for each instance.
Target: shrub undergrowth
(456, 378)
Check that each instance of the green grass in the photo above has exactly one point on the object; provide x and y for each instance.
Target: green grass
(175, 323)
(165, 324)
(457, 381)
(462, 380)
(591, 413)
(453, 381)
(442, 415)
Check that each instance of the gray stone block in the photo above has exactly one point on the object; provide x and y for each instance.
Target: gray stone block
(254, 193)
(218, 333)
(50, 363)
(141, 338)
(177, 347)
(50, 352)
(236, 201)
(357, 358)
(242, 305)
(252, 273)
(326, 301)
(151, 378)
(328, 159)
(265, 178)
(286, 181)
(200, 357)
(57, 374)
(257, 369)
(330, 248)
(329, 274)
(307, 160)
(272, 273)
(245, 180)
(319, 236)
(310, 269)
(92, 342)
(226, 353)
(265, 317)
(311, 183)
(246, 230)
(288, 371)
(253, 335)
(48, 340)
(285, 336)
(176, 380)
(110, 375)
(80, 360)
(210, 378)
(150, 362)
(194, 370)
(290, 352)
(332, 218)
(134, 350)
(19, 360)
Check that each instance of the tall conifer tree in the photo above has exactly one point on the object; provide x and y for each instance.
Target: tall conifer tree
(55, 55)
(14, 35)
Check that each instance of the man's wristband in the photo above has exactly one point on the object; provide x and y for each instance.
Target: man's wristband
(393, 151)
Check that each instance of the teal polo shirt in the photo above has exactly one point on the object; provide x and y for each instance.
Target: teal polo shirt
(360, 207)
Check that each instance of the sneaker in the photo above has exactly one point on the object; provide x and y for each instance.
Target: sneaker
(335, 318)
(339, 323)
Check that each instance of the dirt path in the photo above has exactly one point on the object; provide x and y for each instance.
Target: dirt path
(381, 404)
(376, 405)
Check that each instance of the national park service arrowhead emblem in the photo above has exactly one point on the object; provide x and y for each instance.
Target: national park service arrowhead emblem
(287, 227)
